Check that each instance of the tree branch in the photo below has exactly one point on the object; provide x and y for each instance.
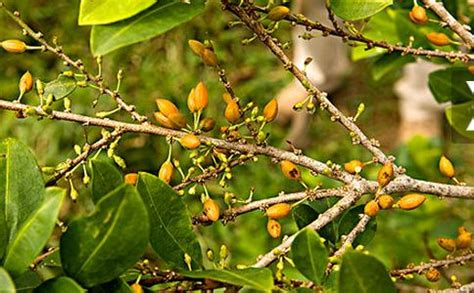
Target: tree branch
(433, 264)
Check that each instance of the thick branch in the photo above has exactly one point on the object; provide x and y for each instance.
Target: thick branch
(440, 10)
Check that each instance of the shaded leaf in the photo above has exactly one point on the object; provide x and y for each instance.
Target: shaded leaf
(114, 286)
(34, 233)
(460, 118)
(60, 88)
(363, 273)
(350, 219)
(21, 188)
(358, 9)
(255, 278)
(100, 247)
(60, 285)
(6, 283)
(99, 12)
(310, 255)
(388, 64)
(160, 18)
(171, 233)
(305, 214)
(449, 85)
(105, 177)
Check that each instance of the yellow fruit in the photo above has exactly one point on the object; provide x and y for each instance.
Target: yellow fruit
(201, 96)
(354, 166)
(228, 98)
(278, 13)
(438, 39)
(207, 124)
(274, 228)
(447, 244)
(13, 46)
(432, 275)
(290, 170)
(271, 110)
(197, 47)
(190, 141)
(371, 208)
(131, 178)
(471, 69)
(418, 15)
(386, 201)
(232, 112)
(166, 171)
(166, 107)
(191, 101)
(446, 167)
(464, 238)
(177, 120)
(211, 209)
(136, 288)
(385, 174)
(163, 121)
(209, 58)
(26, 83)
(278, 211)
(411, 201)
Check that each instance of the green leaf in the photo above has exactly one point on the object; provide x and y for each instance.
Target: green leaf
(171, 233)
(115, 286)
(100, 12)
(100, 247)
(358, 9)
(388, 64)
(6, 283)
(160, 18)
(255, 278)
(350, 219)
(21, 188)
(363, 273)
(460, 116)
(310, 255)
(305, 214)
(449, 85)
(60, 285)
(60, 88)
(105, 177)
(34, 233)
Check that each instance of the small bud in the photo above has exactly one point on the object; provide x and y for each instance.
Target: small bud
(411, 201)
(13, 46)
(190, 141)
(432, 275)
(418, 15)
(447, 244)
(446, 167)
(86, 179)
(192, 101)
(39, 87)
(201, 96)
(197, 47)
(271, 110)
(72, 191)
(211, 209)
(177, 120)
(119, 161)
(371, 209)
(223, 252)
(290, 170)
(278, 211)
(166, 107)
(166, 171)
(67, 105)
(207, 124)
(464, 238)
(273, 228)
(386, 201)
(232, 112)
(385, 174)
(438, 39)
(188, 260)
(26, 83)
(228, 98)
(278, 13)
(163, 120)
(209, 58)
(354, 166)
(210, 254)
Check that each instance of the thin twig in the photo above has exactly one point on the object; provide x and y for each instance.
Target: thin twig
(433, 264)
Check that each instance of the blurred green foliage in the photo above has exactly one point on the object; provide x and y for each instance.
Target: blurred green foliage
(165, 68)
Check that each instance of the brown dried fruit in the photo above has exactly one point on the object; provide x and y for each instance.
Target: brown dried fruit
(464, 238)
(207, 124)
(447, 244)
(385, 174)
(274, 228)
(290, 170)
(432, 275)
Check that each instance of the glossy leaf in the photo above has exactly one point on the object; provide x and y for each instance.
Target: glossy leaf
(158, 19)
(6, 283)
(350, 219)
(171, 233)
(21, 188)
(305, 214)
(358, 9)
(105, 177)
(363, 273)
(60, 285)
(461, 117)
(99, 12)
(60, 88)
(100, 247)
(34, 233)
(255, 278)
(449, 85)
(310, 255)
